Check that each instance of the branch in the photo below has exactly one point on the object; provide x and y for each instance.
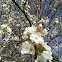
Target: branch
(53, 7)
(56, 35)
(19, 41)
(57, 7)
(14, 40)
(22, 12)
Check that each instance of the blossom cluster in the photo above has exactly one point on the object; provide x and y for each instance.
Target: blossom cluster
(57, 20)
(34, 36)
(5, 32)
(33, 18)
(5, 6)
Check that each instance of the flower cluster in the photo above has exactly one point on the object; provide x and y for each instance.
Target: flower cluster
(6, 4)
(34, 36)
(5, 31)
(34, 19)
(44, 57)
(44, 20)
(57, 20)
(9, 14)
(24, 5)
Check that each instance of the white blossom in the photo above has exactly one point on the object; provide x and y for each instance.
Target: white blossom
(40, 58)
(36, 60)
(36, 37)
(5, 26)
(56, 21)
(27, 48)
(46, 46)
(47, 55)
(30, 29)
(47, 20)
(45, 32)
(22, 2)
(7, 31)
(42, 20)
(1, 33)
(44, 57)
(11, 20)
(4, 5)
(25, 36)
(40, 25)
(0, 57)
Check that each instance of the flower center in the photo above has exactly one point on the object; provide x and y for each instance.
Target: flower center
(36, 37)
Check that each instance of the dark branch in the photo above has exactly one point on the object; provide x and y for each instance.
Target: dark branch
(22, 12)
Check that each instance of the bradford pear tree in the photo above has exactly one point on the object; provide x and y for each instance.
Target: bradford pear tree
(30, 31)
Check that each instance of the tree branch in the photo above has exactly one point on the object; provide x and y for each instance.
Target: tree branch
(22, 12)
(56, 35)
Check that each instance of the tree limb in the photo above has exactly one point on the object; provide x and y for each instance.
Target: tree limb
(22, 12)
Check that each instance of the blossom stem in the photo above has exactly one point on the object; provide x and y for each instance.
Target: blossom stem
(35, 53)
